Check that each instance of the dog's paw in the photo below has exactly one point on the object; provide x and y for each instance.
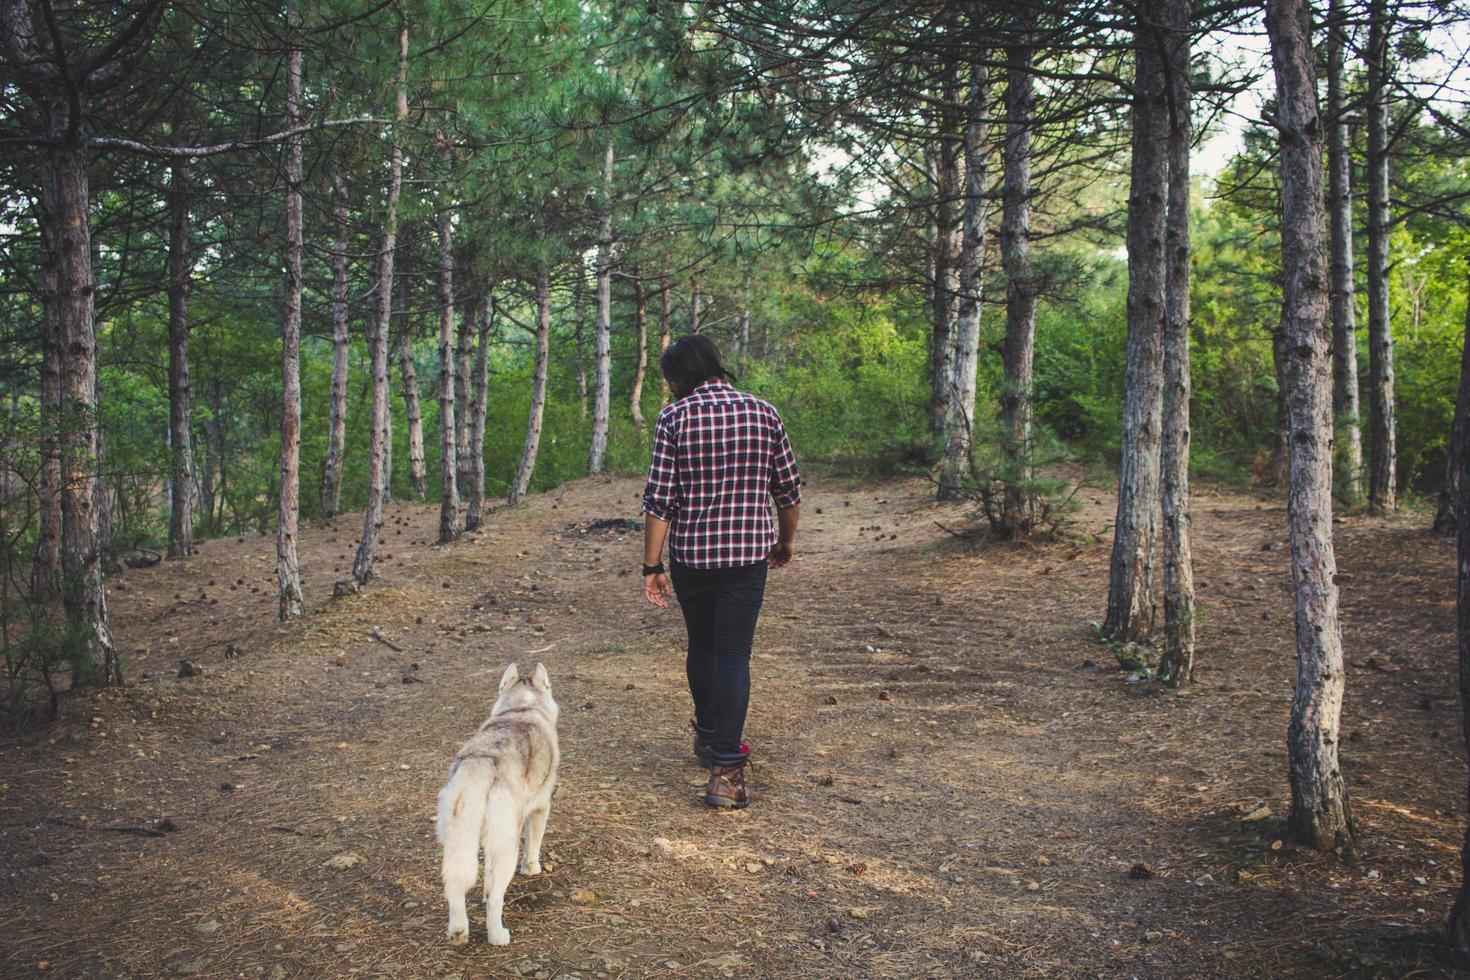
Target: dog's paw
(530, 867)
(500, 937)
(458, 936)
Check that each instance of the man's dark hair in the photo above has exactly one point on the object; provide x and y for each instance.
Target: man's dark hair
(690, 362)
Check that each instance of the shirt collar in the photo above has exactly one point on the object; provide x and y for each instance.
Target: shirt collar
(711, 383)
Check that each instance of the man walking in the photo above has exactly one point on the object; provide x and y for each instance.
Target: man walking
(719, 457)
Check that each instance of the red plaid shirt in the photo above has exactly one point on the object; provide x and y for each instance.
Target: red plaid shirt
(718, 454)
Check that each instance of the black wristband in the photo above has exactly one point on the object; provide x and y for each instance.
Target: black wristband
(653, 569)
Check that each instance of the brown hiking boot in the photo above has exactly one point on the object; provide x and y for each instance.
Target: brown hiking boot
(726, 789)
(703, 746)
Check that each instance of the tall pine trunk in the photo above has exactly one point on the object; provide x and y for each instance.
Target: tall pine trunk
(46, 569)
(418, 471)
(943, 310)
(475, 510)
(665, 325)
(288, 571)
(367, 548)
(1019, 348)
(1459, 925)
(449, 468)
(1381, 474)
(464, 357)
(1349, 439)
(1319, 807)
(1130, 616)
(960, 421)
(82, 544)
(579, 313)
(695, 306)
(181, 457)
(640, 323)
(602, 390)
(1176, 665)
(538, 389)
(337, 421)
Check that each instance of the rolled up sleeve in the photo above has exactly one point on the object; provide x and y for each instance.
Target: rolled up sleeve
(785, 479)
(661, 493)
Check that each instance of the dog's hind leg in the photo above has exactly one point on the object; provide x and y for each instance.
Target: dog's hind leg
(502, 840)
(460, 872)
(461, 815)
(534, 829)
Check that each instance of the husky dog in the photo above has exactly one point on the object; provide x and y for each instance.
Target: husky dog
(498, 792)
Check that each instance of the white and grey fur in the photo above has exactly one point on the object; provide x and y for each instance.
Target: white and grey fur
(498, 796)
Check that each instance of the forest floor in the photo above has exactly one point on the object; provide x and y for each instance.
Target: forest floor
(953, 777)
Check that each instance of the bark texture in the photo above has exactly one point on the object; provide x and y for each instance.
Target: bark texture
(1348, 471)
(602, 383)
(1382, 492)
(413, 410)
(538, 390)
(1176, 664)
(1018, 502)
(288, 570)
(475, 509)
(337, 420)
(1130, 615)
(82, 543)
(960, 421)
(46, 569)
(640, 323)
(665, 325)
(372, 522)
(449, 427)
(181, 456)
(1319, 807)
(944, 305)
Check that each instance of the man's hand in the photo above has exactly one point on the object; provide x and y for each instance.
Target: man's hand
(657, 590)
(781, 554)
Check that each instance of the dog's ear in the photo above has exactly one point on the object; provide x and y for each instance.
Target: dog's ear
(541, 679)
(508, 678)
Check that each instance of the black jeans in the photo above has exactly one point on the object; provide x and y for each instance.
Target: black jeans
(720, 608)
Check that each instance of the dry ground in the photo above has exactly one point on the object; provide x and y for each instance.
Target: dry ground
(953, 778)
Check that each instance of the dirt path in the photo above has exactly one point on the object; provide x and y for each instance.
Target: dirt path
(951, 778)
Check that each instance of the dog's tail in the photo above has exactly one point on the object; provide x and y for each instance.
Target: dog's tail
(462, 804)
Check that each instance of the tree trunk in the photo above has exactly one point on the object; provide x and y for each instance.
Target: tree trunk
(181, 457)
(1130, 616)
(449, 468)
(959, 423)
(538, 389)
(695, 302)
(337, 423)
(741, 362)
(946, 294)
(1459, 924)
(1381, 479)
(1176, 665)
(464, 356)
(1018, 351)
(665, 324)
(46, 569)
(418, 471)
(579, 313)
(602, 392)
(474, 513)
(1319, 807)
(640, 321)
(83, 595)
(367, 549)
(1349, 438)
(288, 571)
